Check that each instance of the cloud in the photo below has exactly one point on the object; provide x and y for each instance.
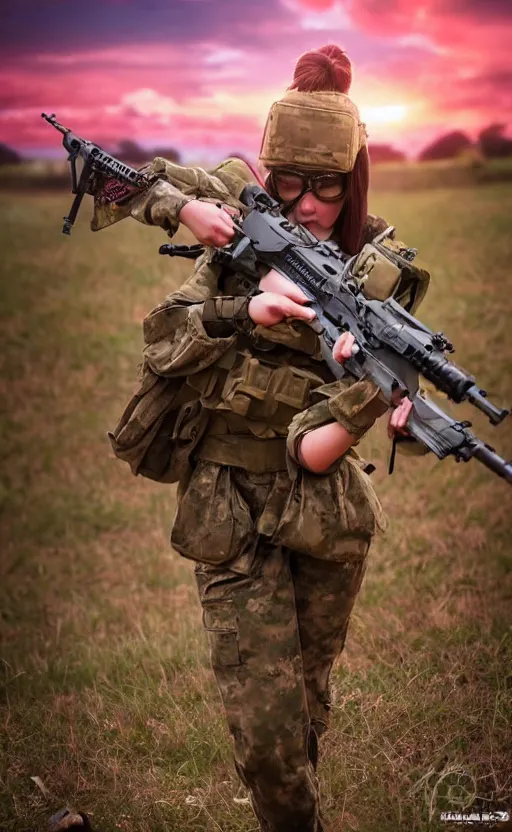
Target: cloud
(40, 25)
(223, 56)
(315, 5)
(189, 70)
(320, 15)
(146, 103)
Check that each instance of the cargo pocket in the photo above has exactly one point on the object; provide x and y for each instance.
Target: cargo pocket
(329, 517)
(363, 511)
(219, 621)
(213, 523)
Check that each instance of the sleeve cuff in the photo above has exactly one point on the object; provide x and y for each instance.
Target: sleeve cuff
(357, 407)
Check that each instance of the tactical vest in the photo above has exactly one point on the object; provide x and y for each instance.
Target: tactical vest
(253, 391)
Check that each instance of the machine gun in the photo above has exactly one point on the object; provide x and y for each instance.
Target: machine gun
(391, 346)
(96, 162)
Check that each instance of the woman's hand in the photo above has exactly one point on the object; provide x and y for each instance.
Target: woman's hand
(398, 418)
(280, 285)
(271, 308)
(210, 225)
(280, 298)
(343, 347)
(341, 352)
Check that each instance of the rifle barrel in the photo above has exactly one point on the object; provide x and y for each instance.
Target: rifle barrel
(488, 456)
(51, 120)
(479, 399)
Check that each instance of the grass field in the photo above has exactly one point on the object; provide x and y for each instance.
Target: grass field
(106, 691)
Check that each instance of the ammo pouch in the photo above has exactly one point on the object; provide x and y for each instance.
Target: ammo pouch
(159, 428)
(264, 391)
(385, 271)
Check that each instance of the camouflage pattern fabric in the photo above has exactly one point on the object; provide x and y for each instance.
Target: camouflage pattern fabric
(172, 186)
(275, 622)
(330, 517)
(281, 553)
(313, 130)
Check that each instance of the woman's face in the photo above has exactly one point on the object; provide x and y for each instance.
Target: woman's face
(321, 202)
(317, 216)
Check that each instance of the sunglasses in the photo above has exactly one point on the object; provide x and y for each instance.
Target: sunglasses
(290, 186)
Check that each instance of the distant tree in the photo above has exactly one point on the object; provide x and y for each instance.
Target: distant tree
(130, 151)
(446, 147)
(493, 143)
(385, 153)
(169, 153)
(8, 156)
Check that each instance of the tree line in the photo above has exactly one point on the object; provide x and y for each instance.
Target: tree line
(490, 144)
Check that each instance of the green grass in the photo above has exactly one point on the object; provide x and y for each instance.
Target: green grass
(106, 692)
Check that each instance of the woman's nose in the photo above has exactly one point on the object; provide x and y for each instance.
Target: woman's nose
(308, 203)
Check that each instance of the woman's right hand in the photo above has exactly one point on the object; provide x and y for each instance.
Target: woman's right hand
(210, 225)
(269, 309)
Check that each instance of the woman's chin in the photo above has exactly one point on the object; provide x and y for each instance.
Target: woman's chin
(317, 230)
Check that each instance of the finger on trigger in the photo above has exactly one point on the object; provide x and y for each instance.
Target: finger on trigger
(227, 222)
(298, 296)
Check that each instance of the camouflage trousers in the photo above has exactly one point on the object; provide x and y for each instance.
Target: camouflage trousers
(274, 631)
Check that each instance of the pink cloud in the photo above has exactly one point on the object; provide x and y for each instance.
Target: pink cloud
(451, 59)
(315, 5)
(449, 68)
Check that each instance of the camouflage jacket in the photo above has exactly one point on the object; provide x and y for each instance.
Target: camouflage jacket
(243, 401)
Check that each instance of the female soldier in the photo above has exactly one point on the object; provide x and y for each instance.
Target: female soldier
(272, 503)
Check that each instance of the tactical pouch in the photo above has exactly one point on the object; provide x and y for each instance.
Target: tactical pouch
(160, 426)
(209, 383)
(261, 391)
(385, 272)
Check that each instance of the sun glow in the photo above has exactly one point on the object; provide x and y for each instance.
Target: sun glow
(388, 114)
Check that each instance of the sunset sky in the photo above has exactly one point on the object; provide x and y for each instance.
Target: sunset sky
(200, 75)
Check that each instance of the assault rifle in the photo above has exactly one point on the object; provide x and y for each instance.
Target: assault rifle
(96, 162)
(391, 346)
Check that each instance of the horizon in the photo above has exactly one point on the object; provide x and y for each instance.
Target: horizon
(200, 76)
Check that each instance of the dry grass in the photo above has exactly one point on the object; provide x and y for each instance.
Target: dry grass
(107, 695)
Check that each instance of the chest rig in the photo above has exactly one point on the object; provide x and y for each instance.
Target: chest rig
(259, 385)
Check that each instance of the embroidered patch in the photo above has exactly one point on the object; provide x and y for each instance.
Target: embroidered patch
(115, 191)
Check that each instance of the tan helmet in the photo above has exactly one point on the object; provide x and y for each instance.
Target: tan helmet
(315, 130)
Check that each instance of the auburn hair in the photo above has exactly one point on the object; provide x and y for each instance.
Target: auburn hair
(328, 69)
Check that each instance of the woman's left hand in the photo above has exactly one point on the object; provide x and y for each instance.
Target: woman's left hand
(341, 352)
(398, 419)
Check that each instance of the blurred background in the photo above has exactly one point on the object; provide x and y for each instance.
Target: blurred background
(106, 697)
(193, 80)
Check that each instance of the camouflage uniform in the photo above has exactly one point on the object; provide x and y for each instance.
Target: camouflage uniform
(280, 551)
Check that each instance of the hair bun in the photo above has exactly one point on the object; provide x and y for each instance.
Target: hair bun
(327, 69)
